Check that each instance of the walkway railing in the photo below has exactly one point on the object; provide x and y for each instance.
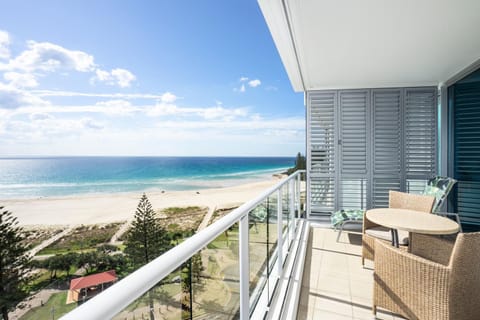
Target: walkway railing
(224, 271)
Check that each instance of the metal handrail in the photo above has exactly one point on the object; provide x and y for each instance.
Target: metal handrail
(117, 297)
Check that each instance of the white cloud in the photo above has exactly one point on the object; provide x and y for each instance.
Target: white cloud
(222, 113)
(168, 97)
(49, 57)
(254, 83)
(123, 77)
(264, 125)
(102, 75)
(45, 57)
(120, 77)
(244, 81)
(13, 98)
(164, 109)
(256, 117)
(47, 129)
(281, 136)
(210, 113)
(110, 108)
(115, 107)
(59, 93)
(91, 124)
(4, 45)
(39, 116)
(20, 80)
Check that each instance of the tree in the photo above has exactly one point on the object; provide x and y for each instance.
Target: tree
(89, 261)
(186, 294)
(197, 266)
(14, 262)
(59, 262)
(146, 239)
(300, 164)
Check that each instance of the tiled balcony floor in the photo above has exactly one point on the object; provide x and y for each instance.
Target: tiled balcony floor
(335, 286)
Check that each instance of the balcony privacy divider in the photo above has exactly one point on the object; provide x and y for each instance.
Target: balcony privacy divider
(243, 255)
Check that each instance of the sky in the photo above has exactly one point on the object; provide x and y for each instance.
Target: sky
(145, 78)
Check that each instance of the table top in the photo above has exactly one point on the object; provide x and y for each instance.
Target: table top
(412, 221)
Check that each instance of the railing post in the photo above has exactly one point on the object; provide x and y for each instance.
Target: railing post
(244, 269)
(291, 210)
(299, 195)
(279, 232)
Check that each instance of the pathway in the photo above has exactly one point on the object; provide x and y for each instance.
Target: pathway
(49, 241)
(120, 232)
(36, 300)
(206, 218)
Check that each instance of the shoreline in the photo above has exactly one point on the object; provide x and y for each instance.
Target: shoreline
(113, 207)
(193, 183)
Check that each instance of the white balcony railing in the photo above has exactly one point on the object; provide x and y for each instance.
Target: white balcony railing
(239, 279)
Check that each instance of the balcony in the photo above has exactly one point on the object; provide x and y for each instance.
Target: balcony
(242, 266)
(318, 277)
(364, 96)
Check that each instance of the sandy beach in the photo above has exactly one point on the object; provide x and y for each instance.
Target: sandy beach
(104, 208)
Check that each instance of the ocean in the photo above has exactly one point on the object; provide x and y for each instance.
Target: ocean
(35, 177)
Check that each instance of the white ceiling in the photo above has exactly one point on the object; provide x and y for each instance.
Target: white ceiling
(339, 44)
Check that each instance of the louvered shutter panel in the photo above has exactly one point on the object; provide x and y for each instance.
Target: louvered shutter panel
(363, 143)
(353, 150)
(420, 117)
(467, 153)
(387, 144)
(322, 151)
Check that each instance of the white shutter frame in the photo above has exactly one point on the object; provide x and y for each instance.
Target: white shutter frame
(322, 150)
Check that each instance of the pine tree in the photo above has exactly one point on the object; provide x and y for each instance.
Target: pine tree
(146, 239)
(14, 262)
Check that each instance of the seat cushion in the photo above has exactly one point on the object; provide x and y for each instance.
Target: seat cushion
(341, 216)
(384, 233)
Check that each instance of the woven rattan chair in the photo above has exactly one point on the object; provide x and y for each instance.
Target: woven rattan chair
(372, 231)
(420, 288)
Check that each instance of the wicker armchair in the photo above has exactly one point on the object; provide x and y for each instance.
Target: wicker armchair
(372, 231)
(419, 288)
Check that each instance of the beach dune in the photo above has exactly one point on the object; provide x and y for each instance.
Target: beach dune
(104, 208)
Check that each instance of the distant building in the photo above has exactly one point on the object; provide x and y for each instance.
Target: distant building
(83, 288)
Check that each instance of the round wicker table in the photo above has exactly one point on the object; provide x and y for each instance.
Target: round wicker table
(411, 221)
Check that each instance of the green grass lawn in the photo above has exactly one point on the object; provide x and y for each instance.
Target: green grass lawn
(57, 302)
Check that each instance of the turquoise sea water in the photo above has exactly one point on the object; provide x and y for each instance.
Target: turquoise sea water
(62, 176)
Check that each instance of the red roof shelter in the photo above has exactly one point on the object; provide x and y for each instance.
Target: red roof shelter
(88, 286)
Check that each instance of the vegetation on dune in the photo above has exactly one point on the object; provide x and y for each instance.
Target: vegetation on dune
(13, 262)
(82, 238)
(178, 219)
(34, 237)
